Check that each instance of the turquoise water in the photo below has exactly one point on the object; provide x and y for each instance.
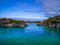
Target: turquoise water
(31, 35)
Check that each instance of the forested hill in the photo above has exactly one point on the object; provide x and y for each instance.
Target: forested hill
(52, 21)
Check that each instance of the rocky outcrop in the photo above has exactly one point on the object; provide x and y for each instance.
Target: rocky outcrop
(19, 25)
(7, 23)
(14, 25)
(58, 25)
(55, 25)
(52, 22)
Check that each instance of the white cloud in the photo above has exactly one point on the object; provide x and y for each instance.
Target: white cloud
(52, 6)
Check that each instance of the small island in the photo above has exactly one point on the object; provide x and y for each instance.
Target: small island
(4, 22)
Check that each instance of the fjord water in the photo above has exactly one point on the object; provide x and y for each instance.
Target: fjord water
(30, 35)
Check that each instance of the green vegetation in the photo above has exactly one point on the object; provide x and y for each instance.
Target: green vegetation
(11, 22)
(52, 20)
(16, 21)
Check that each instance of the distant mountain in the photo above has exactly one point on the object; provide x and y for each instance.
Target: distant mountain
(25, 19)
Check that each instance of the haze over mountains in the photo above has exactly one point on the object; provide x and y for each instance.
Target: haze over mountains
(26, 19)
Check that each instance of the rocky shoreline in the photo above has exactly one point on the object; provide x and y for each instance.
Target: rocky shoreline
(12, 23)
(53, 22)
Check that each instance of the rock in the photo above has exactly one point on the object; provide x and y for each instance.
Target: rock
(58, 25)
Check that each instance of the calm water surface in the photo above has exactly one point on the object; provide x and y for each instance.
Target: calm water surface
(31, 35)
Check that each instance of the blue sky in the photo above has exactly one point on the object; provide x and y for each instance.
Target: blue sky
(35, 9)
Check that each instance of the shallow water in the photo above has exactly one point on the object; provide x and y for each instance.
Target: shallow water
(31, 35)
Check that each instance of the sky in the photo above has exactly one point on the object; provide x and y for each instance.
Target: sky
(34, 9)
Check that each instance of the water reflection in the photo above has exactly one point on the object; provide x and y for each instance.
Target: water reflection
(10, 32)
(5, 30)
(32, 34)
(54, 31)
